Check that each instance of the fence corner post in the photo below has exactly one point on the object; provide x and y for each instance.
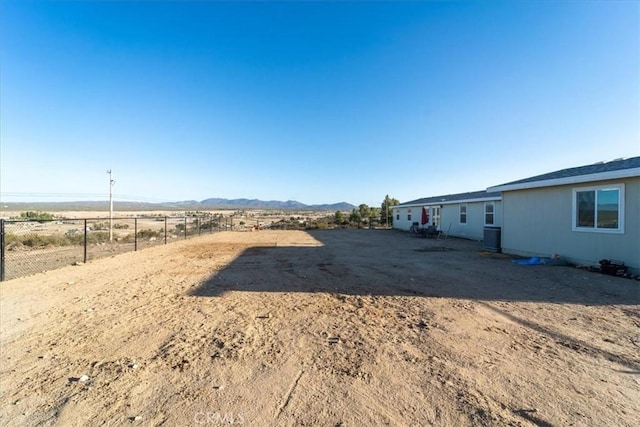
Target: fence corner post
(2, 245)
(84, 259)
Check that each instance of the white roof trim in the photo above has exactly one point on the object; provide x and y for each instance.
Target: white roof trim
(450, 202)
(602, 176)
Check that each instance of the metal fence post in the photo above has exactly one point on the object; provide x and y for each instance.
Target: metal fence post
(84, 259)
(135, 234)
(165, 230)
(2, 242)
(185, 228)
(198, 225)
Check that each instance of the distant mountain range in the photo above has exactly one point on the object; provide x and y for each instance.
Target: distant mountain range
(273, 204)
(182, 205)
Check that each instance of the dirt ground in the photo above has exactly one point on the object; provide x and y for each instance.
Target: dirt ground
(332, 328)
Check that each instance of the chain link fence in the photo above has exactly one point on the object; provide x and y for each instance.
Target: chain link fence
(33, 246)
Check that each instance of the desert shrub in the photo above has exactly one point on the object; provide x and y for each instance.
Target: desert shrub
(99, 237)
(148, 233)
(318, 225)
(74, 238)
(34, 240)
(14, 246)
(208, 225)
(119, 226)
(12, 241)
(37, 216)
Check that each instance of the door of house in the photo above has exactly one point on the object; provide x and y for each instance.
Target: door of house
(435, 216)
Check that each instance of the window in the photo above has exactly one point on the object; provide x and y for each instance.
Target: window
(408, 214)
(489, 208)
(598, 209)
(463, 214)
(398, 217)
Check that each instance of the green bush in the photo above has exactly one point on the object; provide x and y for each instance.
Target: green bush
(34, 240)
(37, 216)
(148, 233)
(99, 237)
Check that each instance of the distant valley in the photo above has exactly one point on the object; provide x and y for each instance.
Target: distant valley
(211, 203)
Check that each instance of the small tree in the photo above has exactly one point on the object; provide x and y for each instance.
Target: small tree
(365, 212)
(374, 213)
(339, 217)
(386, 215)
(355, 217)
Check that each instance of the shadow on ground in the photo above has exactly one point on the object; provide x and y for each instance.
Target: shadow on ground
(391, 263)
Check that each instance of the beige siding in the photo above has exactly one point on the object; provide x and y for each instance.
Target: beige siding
(474, 228)
(539, 222)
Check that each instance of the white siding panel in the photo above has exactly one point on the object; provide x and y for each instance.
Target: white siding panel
(450, 219)
(403, 223)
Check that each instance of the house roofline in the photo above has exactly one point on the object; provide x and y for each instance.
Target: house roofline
(449, 202)
(602, 176)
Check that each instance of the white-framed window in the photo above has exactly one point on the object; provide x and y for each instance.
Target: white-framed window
(408, 214)
(489, 213)
(463, 214)
(599, 209)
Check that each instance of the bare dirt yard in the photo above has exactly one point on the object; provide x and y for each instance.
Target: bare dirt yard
(331, 328)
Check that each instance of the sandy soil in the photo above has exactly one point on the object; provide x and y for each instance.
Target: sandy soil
(333, 328)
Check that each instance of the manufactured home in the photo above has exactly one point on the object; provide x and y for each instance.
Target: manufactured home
(584, 214)
(461, 215)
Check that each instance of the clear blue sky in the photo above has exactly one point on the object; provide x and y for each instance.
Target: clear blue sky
(317, 102)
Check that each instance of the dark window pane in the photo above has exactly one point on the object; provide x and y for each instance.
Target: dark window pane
(585, 208)
(488, 218)
(608, 207)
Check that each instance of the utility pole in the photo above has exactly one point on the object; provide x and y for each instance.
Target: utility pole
(111, 182)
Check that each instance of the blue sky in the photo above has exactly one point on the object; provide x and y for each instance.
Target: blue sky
(312, 101)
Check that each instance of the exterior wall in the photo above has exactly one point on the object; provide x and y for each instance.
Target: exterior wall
(450, 214)
(403, 223)
(538, 222)
(474, 228)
